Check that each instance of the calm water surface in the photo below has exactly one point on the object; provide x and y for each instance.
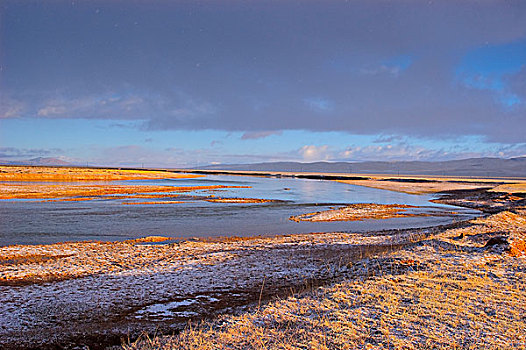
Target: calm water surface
(35, 222)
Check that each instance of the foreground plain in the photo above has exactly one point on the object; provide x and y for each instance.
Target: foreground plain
(456, 286)
(462, 288)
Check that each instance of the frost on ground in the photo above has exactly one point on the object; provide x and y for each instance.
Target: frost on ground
(97, 292)
(457, 286)
(462, 288)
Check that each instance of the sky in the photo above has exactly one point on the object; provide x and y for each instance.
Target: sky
(188, 83)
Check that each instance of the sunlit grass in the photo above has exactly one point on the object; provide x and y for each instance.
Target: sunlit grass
(448, 292)
(64, 174)
(360, 211)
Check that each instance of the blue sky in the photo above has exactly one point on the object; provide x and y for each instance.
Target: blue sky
(185, 83)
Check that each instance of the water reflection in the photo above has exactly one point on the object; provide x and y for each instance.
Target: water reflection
(27, 222)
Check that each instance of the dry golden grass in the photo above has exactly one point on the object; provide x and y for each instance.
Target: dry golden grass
(239, 200)
(448, 292)
(32, 190)
(31, 258)
(66, 174)
(419, 310)
(30, 183)
(360, 211)
(150, 196)
(511, 188)
(416, 187)
(148, 239)
(431, 184)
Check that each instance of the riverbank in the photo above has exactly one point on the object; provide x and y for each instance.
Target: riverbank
(81, 174)
(97, 294)
(462, 287)
(101, 293)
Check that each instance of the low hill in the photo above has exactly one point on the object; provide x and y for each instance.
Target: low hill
(479, 167)
(40, 161)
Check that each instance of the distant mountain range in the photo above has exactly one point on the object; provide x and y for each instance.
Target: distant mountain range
(476, 167)
(44, 161)
(480, 167)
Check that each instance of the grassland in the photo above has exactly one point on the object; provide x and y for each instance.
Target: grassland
(459, 286)
(80, 192)
(66, 174)
(83, 184)
(97, 292)
(511, 188)
(453, 290)
(433, 186)
(430, 184)
(364, 211)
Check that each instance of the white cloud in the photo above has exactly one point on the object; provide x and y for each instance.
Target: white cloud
(52, 111)
(399, 151)
(315, 153)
